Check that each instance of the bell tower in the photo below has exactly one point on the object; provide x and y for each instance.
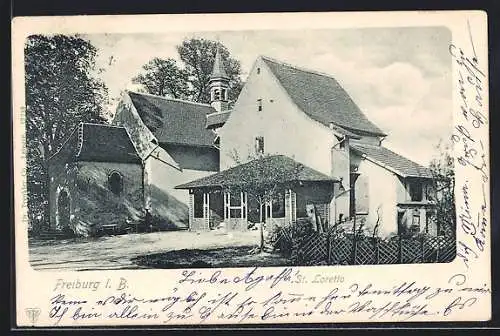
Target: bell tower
(219, 85)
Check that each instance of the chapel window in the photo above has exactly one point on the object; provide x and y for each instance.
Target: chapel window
(115, 183)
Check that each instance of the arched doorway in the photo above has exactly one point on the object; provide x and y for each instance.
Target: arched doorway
(63, 210)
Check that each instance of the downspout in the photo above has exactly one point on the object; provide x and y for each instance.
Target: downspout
(335, 203)
(329, 236)
(143, 163)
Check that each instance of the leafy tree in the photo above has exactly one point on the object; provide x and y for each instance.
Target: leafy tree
(61, 91)
(163, 77)
(443, 173)
(189, 79)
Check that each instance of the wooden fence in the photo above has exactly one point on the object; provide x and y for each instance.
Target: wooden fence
(348, 249)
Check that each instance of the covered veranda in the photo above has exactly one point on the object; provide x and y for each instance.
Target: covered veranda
(233, 199)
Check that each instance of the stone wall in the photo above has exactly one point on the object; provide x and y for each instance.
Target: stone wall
(97, 205)
(92, 204)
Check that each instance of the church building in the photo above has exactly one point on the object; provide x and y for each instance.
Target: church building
(176, 160)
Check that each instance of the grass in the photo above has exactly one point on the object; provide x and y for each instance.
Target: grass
(240, 256)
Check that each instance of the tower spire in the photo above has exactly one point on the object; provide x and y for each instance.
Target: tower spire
(218, 70)
(219, 83)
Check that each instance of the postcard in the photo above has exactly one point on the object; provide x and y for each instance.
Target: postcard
(242, 169)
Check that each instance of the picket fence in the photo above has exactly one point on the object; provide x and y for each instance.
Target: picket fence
(348, 249)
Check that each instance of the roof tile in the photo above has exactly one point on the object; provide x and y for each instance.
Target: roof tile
(107, 143)
(98, 142)
(400, 164)
(322, 98)
(175, 121)
(272, 166)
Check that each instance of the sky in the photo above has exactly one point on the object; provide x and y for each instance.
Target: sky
(399, 77)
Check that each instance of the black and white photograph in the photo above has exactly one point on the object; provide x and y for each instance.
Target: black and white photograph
(202, 150)
(256, 151)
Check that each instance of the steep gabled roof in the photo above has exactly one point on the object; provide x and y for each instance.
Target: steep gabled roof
(174, 121)
(321, 97)
(98, 142)
(285, 166)
(215, 120)
(218, 69)
(392, 161)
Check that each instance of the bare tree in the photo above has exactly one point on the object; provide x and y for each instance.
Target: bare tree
(264, 180)
(443, 172)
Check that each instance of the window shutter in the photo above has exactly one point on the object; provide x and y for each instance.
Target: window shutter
(362, 200)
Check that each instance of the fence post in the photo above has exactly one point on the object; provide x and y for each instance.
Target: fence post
(329, 247)
(353, 253)
(400, 250)
(437, 249)
(354, 241)
(422, 256)
(377, 252)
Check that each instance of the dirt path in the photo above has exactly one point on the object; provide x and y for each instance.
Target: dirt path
(116, 252)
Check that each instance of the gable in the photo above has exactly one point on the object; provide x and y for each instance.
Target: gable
(285, 128)
(322, 98)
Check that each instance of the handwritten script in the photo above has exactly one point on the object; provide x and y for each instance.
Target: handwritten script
(472, 153)
(239, 299)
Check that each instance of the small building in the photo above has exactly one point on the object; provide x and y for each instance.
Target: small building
(390, 191)
(241, 194)
(95, 181)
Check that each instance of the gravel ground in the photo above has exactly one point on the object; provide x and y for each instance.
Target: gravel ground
(119, 252)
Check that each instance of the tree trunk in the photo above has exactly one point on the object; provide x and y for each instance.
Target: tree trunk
(261, 229)
(261, 237)
(46, 187)
(319, 224)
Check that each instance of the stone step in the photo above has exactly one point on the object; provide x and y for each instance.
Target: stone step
(53, 235)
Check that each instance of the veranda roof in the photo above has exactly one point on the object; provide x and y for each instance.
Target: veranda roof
(392, 161)
(270, 169)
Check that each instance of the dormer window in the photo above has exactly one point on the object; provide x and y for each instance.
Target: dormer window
(415, 189)
(259, 105)
(223, 94)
